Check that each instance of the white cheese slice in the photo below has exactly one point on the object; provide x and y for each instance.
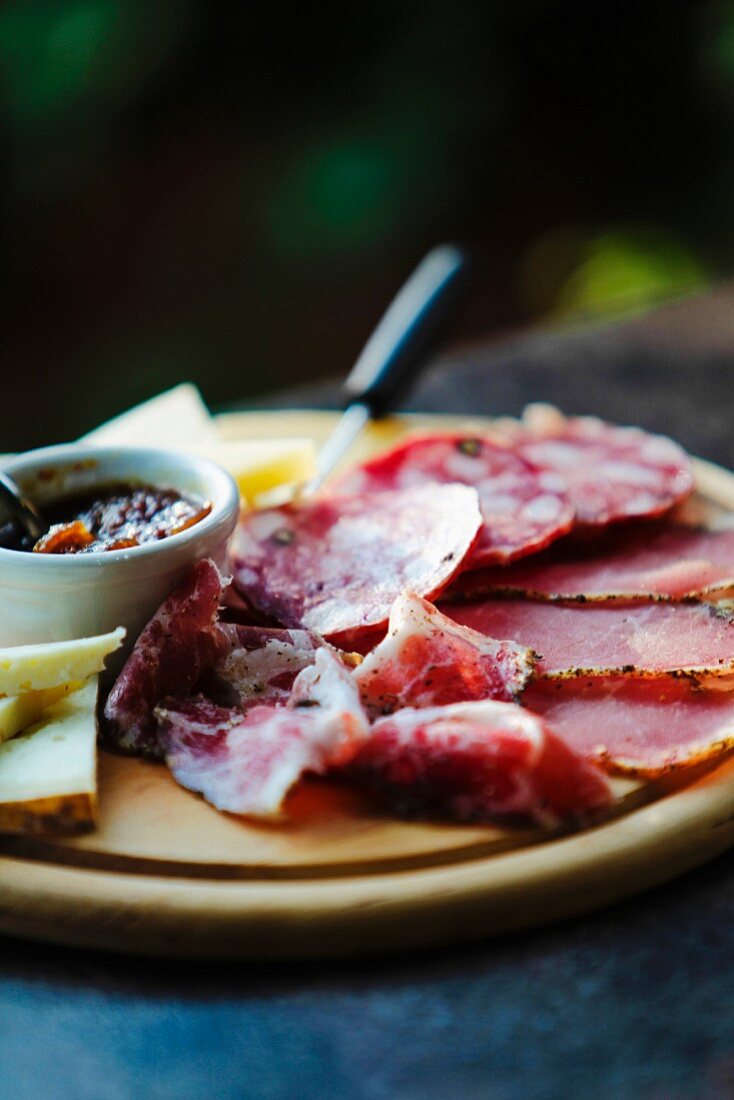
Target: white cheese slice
(171, 420)
(19, 711)
(25, 668)
(48, 774)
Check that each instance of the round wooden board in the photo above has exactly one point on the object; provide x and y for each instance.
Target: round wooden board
(164, 874)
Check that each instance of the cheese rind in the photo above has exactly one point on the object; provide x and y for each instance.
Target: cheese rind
(26, 668)
(19, 711)
(48, 774)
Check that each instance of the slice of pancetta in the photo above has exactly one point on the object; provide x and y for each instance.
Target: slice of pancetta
(247, 763)
(523, 508)
(477, 762)
(426, 660)
(337, 565)
(609, 473)
(636, 639)
(674, 563)
(641, 727)
(180, 642)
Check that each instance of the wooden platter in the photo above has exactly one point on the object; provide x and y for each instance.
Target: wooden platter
(167, 875)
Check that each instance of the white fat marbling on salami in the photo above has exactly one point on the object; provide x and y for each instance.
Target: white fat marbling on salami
(674, 563)
(476, 762)
(643, 727)
(336, 565)
(645, 640)
(426, 660)
(523, 508)
(609, 473)
(247, 763)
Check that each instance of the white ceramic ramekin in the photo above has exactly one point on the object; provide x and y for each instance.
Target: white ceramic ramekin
(47, 597)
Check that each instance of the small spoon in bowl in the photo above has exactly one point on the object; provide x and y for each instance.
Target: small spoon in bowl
(22, 511)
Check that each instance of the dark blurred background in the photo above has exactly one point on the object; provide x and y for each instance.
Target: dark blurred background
(231, 194)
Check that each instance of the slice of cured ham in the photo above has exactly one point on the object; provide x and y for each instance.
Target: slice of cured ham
(426, 660)
(523, 508)
(247, 763)
(182, 640)
(477, 762)
(260, 665)
(609, 473)
(337, 565)
(674, 563)
(642, 727)
(637, 639)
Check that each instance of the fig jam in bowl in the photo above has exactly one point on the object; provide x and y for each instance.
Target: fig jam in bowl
(132, 523)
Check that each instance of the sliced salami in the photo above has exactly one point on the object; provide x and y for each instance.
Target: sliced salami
(639, 727)
(675, 563)
(337, 565)
(644, 640)
(479, 762)
(181, 641)
(426, 660)
(609, 473)
(247, 763)
(523, 508)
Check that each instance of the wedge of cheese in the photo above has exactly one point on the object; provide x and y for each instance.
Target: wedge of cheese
(31, 668)
(19, 711)
(179, 421)
(171, 420)
(48, 773)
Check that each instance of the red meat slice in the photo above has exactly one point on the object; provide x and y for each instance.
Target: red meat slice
(674, 563)
(247, 763)
(478, 762)
(642, 727)
(337, 565)
(262, 664)
(181, 641)
(638, 639)
(609, 473)
(426, 660)
(523, 508)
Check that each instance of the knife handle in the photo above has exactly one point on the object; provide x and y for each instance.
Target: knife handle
(391, 357)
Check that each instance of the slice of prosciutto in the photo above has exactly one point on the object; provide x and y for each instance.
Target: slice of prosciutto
(638, 727)
(523, 508)
(337, 565)
(181, 641)
(479, 761)
(674, 563)
(637, 639)
(247, 763)
(260, 665)
(609, 473)
(426, 660)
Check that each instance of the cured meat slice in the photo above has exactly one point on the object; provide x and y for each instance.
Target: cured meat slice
(642, 727)
(675, 563)
(426, 660)
(638, 639)
(523, 508)
(247, 763)
(337, 565)
(610, 473)
(261, 664)
(477, 762)
(182, 640)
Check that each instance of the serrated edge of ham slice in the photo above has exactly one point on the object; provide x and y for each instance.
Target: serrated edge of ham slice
(430, 760)
(483, 667)
(257, 757)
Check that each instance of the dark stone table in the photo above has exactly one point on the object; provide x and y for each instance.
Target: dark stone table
(636, 1001)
